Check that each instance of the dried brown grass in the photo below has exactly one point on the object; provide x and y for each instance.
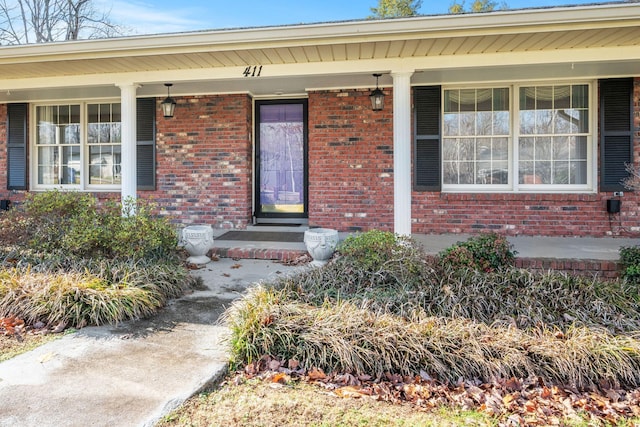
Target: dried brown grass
(346, 338)
(89, 293)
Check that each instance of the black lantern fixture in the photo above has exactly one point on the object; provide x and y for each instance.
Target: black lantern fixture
(377, 96)
(169, 104)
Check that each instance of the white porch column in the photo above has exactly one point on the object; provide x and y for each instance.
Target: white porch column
(128, 161)
(402, 152)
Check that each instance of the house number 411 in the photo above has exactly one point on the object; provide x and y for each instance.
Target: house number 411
(252, 71)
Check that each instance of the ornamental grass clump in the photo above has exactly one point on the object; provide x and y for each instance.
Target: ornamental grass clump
(342, 337)
(528, 299)
(92, 293)
(72, 298)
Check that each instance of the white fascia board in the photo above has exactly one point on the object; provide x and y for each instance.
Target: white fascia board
(528, 20)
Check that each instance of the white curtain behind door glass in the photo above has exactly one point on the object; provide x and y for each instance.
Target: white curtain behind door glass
(281, 161)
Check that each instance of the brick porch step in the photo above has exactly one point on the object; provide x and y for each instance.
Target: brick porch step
(259, 253)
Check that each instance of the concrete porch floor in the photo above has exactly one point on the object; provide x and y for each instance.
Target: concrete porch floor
(574, 248)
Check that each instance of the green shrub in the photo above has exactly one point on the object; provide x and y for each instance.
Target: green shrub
(45, 219)
(630, 262)
(142, 235)
(13, 227)
(458, 257)
(74, 224)
(377, 259)
(57, 206)
(485, 252)
(374, 250)
(370, 250)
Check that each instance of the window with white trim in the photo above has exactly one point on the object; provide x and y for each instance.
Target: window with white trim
(104, 133)
(58, 145)
(78, 146)
(475, 137)
(554, 135)
(539, 141)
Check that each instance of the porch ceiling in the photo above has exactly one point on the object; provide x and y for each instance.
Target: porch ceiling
(424, 47)
(567, 42)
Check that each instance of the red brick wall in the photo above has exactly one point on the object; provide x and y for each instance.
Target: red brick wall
(350, 161)
(560, 214)
(204, 161)
(204, 175)
(522, 214)
(591, 268)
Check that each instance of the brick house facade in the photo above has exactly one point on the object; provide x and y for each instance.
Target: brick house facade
(351, 162)
(205, 156)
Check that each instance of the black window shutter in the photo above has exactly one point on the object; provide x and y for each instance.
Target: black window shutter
(427, 105)
(17, 146)
(146, 143)
(616, 132)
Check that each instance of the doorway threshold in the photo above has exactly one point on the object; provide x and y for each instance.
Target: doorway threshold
(279, 222)
(276, 224)
(275, 227)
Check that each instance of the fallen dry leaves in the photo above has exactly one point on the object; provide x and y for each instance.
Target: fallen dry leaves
(16, 336)
(300, 260)
(15, 327)
(512, 401)
(12, 326)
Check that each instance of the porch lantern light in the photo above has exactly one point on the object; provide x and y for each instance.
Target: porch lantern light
(169, 104)
(377, 96)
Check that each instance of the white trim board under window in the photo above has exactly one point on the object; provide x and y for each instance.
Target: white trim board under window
(536, 137)
(76, 146)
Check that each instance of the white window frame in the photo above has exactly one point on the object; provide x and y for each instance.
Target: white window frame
(480, 187)
(84, 148)
(513, 185)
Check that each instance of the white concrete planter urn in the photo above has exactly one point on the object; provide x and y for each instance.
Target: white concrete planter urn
(320, 243)
(197, 240)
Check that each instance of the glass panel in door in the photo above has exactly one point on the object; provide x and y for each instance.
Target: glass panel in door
(281, 144)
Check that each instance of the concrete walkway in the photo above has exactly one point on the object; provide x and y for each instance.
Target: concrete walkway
(135, 373)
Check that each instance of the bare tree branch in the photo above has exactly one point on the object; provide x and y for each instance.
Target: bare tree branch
(39, 21)
(632, 182)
